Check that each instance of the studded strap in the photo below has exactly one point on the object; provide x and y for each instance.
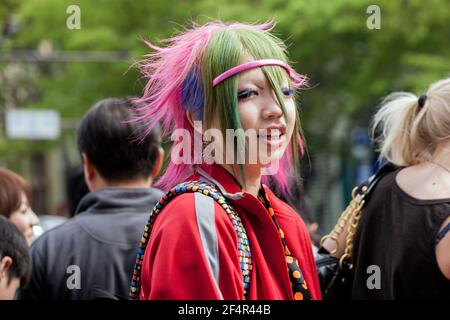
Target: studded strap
(243, 245)
(299, 286)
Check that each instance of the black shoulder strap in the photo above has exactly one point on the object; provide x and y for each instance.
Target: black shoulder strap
(442, 233)
(366, 188)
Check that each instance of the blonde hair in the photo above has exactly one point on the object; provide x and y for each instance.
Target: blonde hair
(411, 133)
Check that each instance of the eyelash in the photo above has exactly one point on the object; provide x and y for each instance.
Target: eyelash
(24, 210)
(247, 93)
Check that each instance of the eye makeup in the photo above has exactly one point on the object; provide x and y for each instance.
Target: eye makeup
(246, 93)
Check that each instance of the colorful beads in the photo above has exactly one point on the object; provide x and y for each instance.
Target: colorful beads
(299, 287)
(244, 253)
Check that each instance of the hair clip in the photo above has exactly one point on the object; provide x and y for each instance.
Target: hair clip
(422, 100)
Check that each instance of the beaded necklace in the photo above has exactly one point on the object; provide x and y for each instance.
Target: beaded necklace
(243, 245)
(298, 283)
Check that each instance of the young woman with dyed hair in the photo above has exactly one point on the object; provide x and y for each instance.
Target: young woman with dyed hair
(223, 234)
(402, 244)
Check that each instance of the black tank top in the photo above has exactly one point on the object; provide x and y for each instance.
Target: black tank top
(396, 239)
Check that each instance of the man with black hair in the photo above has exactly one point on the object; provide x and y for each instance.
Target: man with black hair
(15, 261)
(92, 255)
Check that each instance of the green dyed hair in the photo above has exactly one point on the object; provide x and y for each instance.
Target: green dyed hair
(227, 49)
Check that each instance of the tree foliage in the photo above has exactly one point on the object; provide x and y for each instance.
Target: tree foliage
(350, 66)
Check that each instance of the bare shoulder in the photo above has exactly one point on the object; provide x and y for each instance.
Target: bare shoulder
(424, 182)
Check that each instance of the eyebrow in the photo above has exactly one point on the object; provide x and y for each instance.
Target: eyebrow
(260, 83)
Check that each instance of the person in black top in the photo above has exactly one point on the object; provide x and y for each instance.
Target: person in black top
(401, 248)
(91, 256)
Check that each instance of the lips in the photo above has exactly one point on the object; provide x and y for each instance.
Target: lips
(272, 132)
(272, 135)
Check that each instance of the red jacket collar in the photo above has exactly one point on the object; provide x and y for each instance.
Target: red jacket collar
(227, 183)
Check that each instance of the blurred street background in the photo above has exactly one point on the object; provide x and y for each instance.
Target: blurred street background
(53, 68)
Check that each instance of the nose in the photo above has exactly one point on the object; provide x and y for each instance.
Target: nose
(272, 109)
(32, 217)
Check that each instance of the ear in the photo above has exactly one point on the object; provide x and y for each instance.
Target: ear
(197, 125)
(158, 162)
(5, 264)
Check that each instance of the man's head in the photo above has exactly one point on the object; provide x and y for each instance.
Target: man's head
(111, 154)
(15, 260)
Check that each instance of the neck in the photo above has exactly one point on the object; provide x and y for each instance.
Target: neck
(252, 177)
(130, 184)
(442, 155)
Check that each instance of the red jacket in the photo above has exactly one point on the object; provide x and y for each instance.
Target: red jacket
(193, 256)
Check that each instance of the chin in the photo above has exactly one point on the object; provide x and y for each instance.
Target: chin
(30, 239)
(274, 156)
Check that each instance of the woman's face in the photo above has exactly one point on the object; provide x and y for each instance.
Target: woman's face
(24, 218)
(259, 110)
